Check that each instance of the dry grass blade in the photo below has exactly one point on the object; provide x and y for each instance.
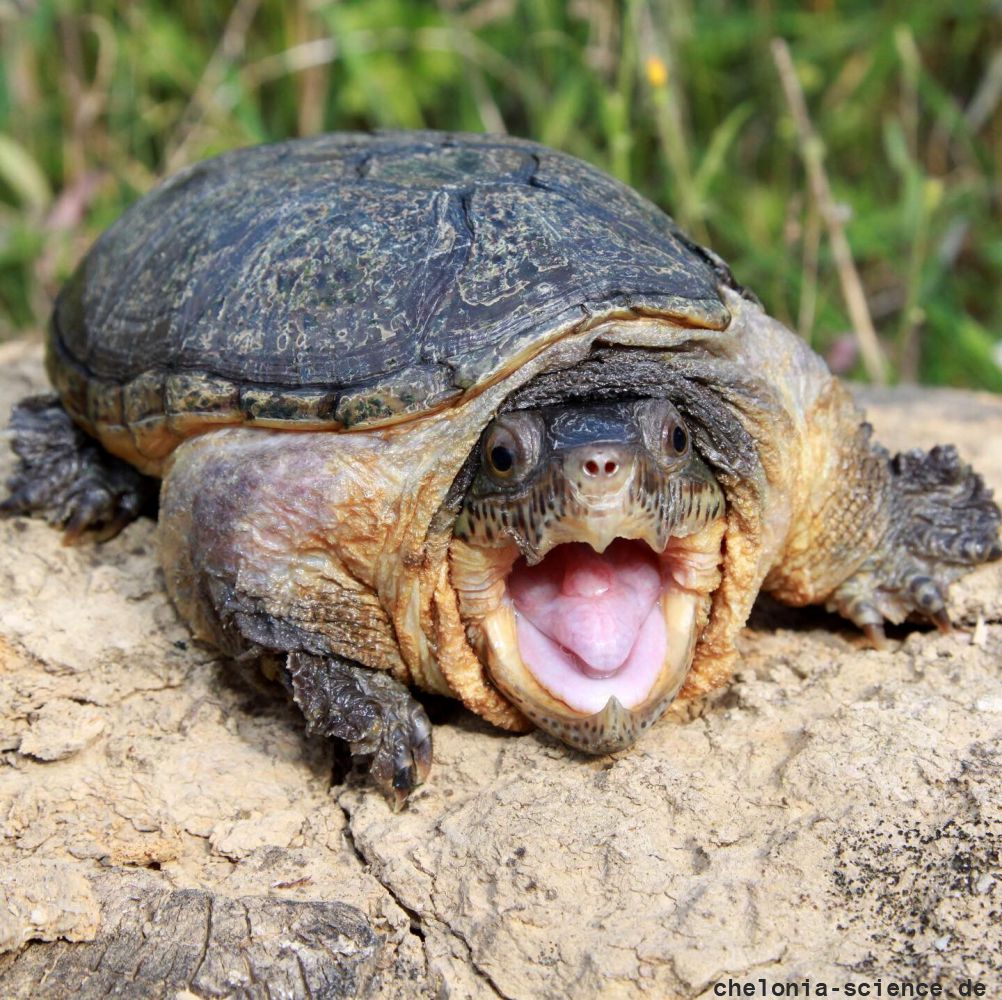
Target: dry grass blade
(988, 95)
(230, 46)
(813, 157)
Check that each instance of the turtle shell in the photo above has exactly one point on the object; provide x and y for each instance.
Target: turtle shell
(352, 279)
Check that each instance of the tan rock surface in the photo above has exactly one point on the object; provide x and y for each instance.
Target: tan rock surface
(835, 815)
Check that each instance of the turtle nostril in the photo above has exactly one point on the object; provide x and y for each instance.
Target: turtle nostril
(601, 466)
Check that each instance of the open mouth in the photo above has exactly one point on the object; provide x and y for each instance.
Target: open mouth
(592, 626)
(592, 646)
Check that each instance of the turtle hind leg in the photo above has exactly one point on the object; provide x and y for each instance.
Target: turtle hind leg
(943, 521)
(385, 728)
(66, 477)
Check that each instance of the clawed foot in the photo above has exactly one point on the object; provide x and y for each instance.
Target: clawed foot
(66, 477)
(387, 731)
(944, 522)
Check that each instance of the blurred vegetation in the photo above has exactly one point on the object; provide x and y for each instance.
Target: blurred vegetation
(100, 99)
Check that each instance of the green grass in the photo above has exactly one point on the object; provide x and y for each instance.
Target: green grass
(99, 99)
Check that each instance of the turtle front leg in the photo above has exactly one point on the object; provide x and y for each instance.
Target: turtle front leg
(250, 538)
(941, 522)
(879, 538)
(386, 729)
(66, 477)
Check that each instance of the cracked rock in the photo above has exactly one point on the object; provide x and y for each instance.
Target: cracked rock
(242, 837)
(836, 814)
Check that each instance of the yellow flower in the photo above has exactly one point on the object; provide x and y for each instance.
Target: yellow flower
(657, 71)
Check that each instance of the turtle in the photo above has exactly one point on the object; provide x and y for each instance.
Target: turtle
(461, 413)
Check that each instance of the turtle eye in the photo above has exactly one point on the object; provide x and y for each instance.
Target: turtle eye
(510, 447)
(502, 459)
(676, 438)
(501, 452)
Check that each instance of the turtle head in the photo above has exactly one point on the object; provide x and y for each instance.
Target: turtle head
(584, 556)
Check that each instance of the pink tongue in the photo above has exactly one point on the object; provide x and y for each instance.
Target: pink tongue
(591, 604)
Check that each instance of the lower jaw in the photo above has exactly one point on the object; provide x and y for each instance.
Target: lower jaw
(614, 727)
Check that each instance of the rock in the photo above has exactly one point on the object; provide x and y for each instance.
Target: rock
(45, 901)
(60, 728)
(835, 814)
(240, 838)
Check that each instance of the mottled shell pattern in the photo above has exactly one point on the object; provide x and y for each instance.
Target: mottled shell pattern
(354, 279)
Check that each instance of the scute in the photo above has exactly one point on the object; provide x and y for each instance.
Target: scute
(350, 278)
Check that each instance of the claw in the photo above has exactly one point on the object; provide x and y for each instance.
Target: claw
(401, 766)
(876, 636)
(403, 759)
(403, 784)
(942, 621)
(75, 527)
(943, 520)
(66, 477)
(421, 746)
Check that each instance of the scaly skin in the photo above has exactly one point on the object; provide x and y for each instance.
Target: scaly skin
(66, 476)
